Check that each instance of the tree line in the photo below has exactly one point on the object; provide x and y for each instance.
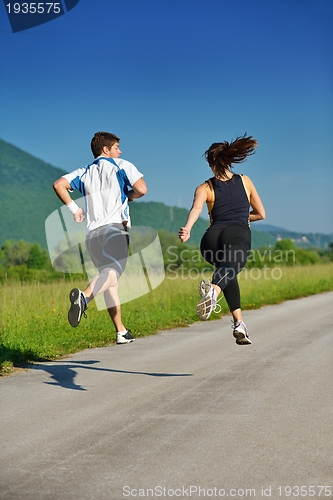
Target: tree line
(24, 261)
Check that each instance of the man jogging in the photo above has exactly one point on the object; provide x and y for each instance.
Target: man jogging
(107, 184)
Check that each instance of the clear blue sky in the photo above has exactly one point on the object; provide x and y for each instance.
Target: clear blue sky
(170, 77)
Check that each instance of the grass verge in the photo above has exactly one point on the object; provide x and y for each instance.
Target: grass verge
(34, 326)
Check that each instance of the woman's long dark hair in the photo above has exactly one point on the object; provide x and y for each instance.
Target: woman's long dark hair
(222, 155)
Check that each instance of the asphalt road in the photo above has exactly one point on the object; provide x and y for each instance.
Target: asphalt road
(186, 413)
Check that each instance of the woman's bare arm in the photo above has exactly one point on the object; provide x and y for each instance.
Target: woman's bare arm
(200, 197)
(258, 210)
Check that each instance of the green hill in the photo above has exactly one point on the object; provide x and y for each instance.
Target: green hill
(27, 199)
(26, 194)
(301, 240)
(160, 216)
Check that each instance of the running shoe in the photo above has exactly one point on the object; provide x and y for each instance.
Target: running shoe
(204, 287)
(124, 338)
(241, 334)
(78, 307)
(208, 303)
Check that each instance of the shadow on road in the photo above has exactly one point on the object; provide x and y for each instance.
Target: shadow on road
(64, 374)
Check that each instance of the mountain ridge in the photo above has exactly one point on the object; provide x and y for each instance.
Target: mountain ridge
(27, 199)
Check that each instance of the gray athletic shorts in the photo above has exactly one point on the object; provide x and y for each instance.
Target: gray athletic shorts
(108, 247)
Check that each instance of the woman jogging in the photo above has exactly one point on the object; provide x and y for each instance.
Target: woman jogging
(227, 242)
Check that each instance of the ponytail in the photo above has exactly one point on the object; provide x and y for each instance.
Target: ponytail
(222, 155)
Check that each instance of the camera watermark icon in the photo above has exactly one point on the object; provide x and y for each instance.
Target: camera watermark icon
(144, 269)
(24, 14)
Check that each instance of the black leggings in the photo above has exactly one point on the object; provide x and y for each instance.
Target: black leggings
(227, 248)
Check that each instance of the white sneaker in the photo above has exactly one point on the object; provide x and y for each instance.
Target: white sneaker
(124, 338)
(207, 304)
(204, 287)
(241, 334)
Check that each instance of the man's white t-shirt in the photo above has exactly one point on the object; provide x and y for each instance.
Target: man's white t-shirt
(104, 185)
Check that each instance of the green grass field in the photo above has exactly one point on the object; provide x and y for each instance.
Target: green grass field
(34, 322)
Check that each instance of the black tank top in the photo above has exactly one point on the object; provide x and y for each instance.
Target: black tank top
(231, 202)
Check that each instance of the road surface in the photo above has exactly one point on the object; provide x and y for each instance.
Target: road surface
(186, 413)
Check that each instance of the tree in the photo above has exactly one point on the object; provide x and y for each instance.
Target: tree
(285, 244)
(38, 257)
(15, 252)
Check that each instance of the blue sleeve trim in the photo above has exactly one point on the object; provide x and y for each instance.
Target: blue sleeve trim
(77, 182)
(123, 180)
(124, 184)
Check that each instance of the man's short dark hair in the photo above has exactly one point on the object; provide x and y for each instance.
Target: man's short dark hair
(100, 140)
